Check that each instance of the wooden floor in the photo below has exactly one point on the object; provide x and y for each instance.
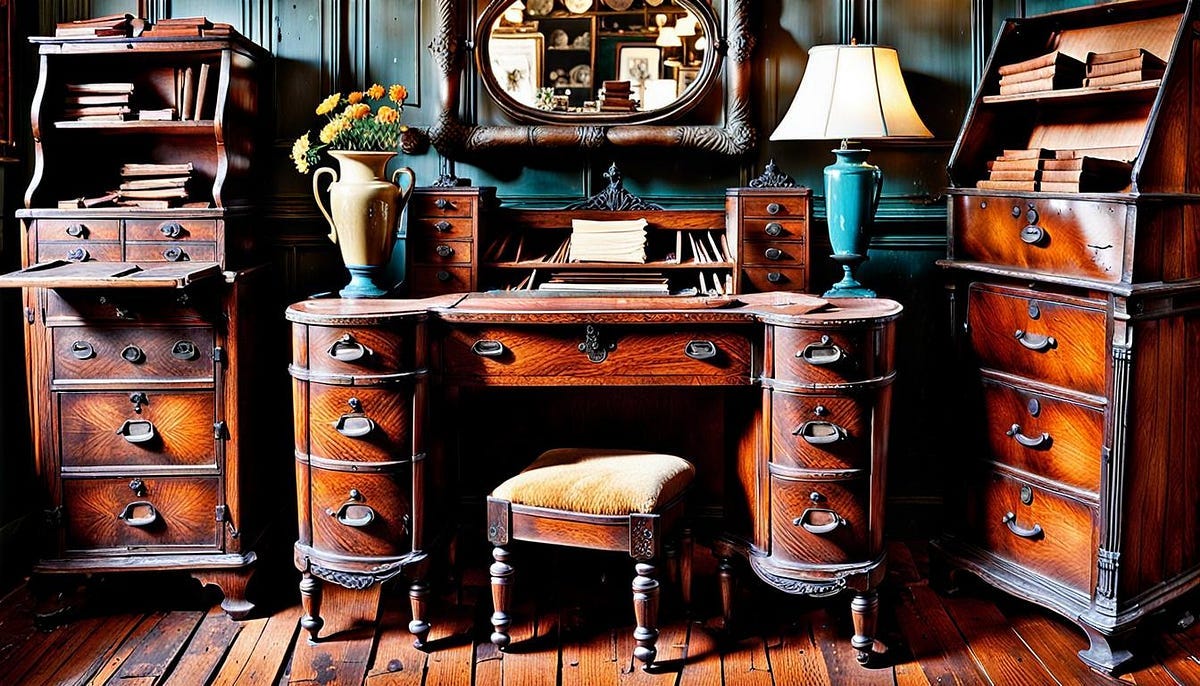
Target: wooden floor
(137, 631)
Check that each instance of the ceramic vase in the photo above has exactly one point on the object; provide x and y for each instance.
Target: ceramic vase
(363, 214)
(852, 189)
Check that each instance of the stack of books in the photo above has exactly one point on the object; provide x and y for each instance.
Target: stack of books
(607, 241)
(106, 26)
(1056, 171)
(1122, 66)
(617, 98)
(641, 283)
(179, 27)
(97, 101)
(1051, 71)
(156, 186)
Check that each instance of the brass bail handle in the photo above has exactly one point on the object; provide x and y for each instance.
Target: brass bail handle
(321, 203)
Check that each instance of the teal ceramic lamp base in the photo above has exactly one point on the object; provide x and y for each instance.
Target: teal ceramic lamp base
(362, 282)
(852, 188)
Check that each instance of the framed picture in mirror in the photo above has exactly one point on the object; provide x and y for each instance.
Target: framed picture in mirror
(516, 59)
(637, 62)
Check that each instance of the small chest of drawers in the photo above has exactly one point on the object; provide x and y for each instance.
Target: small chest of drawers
(443, 226)
(773, 226)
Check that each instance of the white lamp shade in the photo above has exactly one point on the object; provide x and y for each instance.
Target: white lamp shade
(851, 91)
(658, 93)
(685, 26)
(667, 38)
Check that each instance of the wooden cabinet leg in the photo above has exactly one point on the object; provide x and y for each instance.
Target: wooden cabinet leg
(502, 574)
(864, 610)
(645, 610)
(418, 600)
(726, 578)
(1105, 653)
(310, 601)
(232, 583)
(687, 548)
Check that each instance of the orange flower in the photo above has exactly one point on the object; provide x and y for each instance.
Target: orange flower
(359, 111)
(375, 92)
(397, 93)
(387, 115)
(355, 97)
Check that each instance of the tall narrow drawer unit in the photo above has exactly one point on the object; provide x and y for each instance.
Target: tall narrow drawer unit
(773, 229)
(443, 230)
(360, 383)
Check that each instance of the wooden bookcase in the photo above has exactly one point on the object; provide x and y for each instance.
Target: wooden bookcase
(142, 325)
(1077, 327)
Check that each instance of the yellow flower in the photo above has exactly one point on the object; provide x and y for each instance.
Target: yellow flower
(329, 103)
(397, 93)
(359, 111)
(300, 153)
(375, 92)
(355, 97)
(387, 115)
(331, 130)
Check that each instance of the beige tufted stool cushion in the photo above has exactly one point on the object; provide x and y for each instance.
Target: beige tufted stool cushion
(599, 481)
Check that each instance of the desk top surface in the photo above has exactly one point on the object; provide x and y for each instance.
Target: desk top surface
(534, 308)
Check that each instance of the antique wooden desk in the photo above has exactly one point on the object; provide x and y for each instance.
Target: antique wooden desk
(780, 399)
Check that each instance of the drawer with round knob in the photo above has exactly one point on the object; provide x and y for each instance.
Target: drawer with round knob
(777, 205)
(434, 203)
(426, 280)
(111, 429)
(360, 424)
(441, 228)
(174, 251)
(821, 520)
(77, 229)
(365, 513)
(774, 253)
(143, 514)
(815, 431)
(77, 251)
(436, 250)
(774, 278)
(106, 354)
(775, 229)
(170, 230)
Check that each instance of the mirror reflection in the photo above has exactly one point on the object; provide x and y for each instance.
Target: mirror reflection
(595, 56)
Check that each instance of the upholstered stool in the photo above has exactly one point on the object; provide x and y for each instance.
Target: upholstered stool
(599, 499)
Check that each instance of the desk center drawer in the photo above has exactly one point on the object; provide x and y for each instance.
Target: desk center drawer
(586, 354)
(137, 427)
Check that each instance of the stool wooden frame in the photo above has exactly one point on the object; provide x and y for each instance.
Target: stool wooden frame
(640, 534)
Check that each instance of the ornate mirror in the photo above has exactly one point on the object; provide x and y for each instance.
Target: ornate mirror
(590, 73)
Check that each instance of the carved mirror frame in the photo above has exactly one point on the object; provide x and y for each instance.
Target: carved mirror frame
(454, 138)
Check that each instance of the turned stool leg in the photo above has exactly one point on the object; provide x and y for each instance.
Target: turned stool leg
(864, 610)
(725, 576)
(502, 574)
(645, 610)
(418, 599)
(310, 601)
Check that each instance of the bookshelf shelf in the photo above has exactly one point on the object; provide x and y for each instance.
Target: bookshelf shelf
(1078, 96)
(197, 127)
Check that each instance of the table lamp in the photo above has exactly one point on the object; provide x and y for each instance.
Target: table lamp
(851, 91)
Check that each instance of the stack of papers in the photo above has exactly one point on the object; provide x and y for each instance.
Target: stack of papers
(608, 241)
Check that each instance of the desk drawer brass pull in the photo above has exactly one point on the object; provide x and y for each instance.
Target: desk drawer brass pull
(1010, 520)
(82, 350)
(823, 353)
(818, 432)
(774, 229)
(444, 250)
(1035, 341)
(700, 350)
(347, 349)
(137, 430)
(184, 350)
(442, 226)
(833, 521)
(486, 347)
(77, 231)
(133, 354)
(354, 424)
(1042, 441)
(171, 229)
(141, 521)
(354, 514)
(1033, 234)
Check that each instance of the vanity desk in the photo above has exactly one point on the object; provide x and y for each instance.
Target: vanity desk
(780, 399)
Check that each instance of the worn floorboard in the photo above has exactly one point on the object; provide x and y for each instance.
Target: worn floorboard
(575, 629)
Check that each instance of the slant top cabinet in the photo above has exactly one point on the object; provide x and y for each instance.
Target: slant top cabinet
(1104, 195)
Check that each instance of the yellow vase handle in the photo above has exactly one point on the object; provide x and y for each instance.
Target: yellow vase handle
(320, 203)
(412, 183)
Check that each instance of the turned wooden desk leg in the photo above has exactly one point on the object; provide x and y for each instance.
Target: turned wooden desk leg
(310, 601)
(726, 579)
(233, 583)
(864, 610)
(687, 548)
(502, 574)
(418, 599)
(645, 610)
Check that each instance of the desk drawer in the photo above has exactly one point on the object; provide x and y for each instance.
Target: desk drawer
(441, 228)
(771, 253)
(825, 431)
(106, 430)
(512, 355)
(361, 350)
(77, 229)
(1068, 237)
(436, 250)
(1049, 534)
(78, 251)
(832, 356)
(778, 278)
(1061, 342)
(774, 229)
(162, 514)
(173, 230)
(359, 424)
(433, 203)
(821, 521)
(177, 251)
(1052, 437)
(122, 352)
(131, 305)
(436, 280)
(781, 205)
(363, 514)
